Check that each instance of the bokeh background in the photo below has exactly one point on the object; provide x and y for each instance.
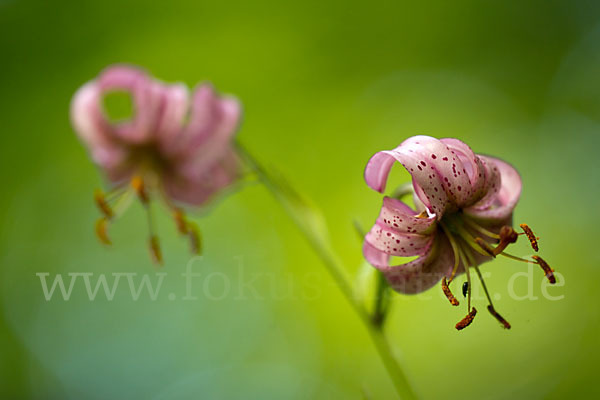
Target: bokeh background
(324, 86)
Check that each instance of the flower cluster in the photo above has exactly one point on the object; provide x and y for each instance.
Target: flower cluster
(464, 204)
(177, 145)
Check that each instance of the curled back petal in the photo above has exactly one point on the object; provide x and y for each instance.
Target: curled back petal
(173, 111)
(473, 167)
(109, 154)
(212, 123)
(146, 96)
(500, 205)
(439, 176)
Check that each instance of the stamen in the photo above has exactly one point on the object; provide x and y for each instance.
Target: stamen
(490, 307)
(180, 221)
(454, 250)
(505, 254)
(101, 230)
(448, 293)
(102, 204)
(466, 236)
(138, 186)
(548, 271)
(507, 236)
(466, 321)
(531, 236)
(195, 238)
(137, 183)
(498, 317)
(480, 229)
(466, 262)
(423, 215)
(188, 228)
(486, 247)
(155, 250)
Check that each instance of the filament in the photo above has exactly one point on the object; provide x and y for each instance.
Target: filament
(480, 229)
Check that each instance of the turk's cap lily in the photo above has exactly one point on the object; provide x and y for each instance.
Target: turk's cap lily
(183, 140)
(177, 144)
(463, 206)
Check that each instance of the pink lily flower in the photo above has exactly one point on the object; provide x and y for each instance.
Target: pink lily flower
(176, 144)
(464, 204)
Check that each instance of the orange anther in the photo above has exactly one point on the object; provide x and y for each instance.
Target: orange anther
(466, 321)
(155, 250)
(498, 317)
(448, 293)
(195, 238)
(182, 225)
(531, 236)
(102, 204)
(101, 230)
(547, 270)
(137, 183)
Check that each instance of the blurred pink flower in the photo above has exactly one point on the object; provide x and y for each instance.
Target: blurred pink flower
(175, 144)
(179, 144)
(464, 203)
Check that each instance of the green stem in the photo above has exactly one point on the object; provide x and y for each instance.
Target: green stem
(311, 226)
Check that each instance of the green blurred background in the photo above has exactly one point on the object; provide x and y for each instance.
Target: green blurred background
(324, 86)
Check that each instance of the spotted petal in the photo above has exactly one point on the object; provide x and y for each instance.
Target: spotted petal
(398, 216)
(418, 275)
(396, 243)
(439, 177)
(473, 167)
(500, 206)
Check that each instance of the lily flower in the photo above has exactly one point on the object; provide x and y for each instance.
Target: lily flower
(464, 204)
(176, 145)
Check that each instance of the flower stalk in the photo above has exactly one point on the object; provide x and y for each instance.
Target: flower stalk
(311, 225)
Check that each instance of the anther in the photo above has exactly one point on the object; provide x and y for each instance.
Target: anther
(101, 230)
(102, 204)
(547, 270)
(155, 249)
(448, 293)
(195, 238)
(531, 236)
(137, 183)
(180, 221)
(466, 321)
(423, 215)
(498, 317)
